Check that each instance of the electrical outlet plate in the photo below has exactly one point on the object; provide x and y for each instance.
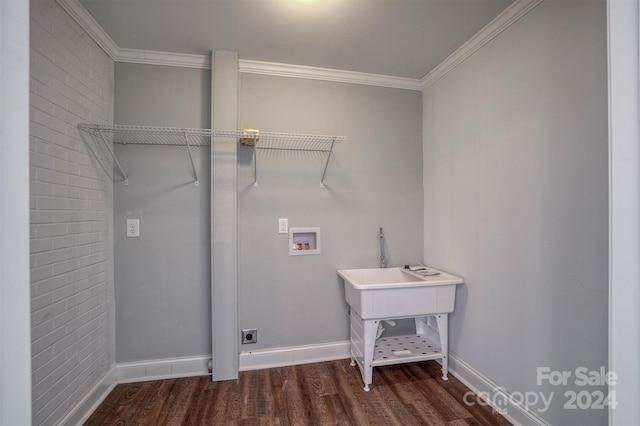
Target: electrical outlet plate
(133, 228)
(249, 335)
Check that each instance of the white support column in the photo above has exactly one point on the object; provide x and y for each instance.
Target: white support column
(224, 290)
(624, 207)
(15, 332)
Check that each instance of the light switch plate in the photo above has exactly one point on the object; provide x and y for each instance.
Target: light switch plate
(133, 228)
(283, 226)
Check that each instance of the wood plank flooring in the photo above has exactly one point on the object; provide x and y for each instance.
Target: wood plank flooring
(327, 393)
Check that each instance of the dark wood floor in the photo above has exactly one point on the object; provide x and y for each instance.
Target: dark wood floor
(328, 393)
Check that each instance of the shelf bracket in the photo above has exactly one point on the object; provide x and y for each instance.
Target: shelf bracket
(255, 163)
(326, 164)
(115, 160)
(186, 141)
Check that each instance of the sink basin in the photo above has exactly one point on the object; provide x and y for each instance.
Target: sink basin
(379, 293)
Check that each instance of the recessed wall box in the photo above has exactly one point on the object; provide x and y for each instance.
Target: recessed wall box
(304, 241)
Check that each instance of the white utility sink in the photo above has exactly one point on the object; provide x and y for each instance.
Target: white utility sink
(395, 292)
(376, 294)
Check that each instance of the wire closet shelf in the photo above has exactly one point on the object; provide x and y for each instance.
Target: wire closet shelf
(194, 137)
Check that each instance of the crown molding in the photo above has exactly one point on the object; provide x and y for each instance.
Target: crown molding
(151, 57)
(504, 20)
(91, 26)
(508, 17)
(171, 59)
(327, 74)
(78, 12)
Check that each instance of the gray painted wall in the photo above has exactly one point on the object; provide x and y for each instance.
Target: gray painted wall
(374, 179)
(515, 160)
(162, 278)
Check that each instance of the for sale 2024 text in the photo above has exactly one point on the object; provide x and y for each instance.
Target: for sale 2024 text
(583, 399)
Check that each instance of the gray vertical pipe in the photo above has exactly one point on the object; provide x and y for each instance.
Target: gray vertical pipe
(224, 291)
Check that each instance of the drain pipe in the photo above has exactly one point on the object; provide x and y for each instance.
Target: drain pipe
(383, 260)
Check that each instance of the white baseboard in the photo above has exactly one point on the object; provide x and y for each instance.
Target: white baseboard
(82, 410)
(481, 385)
(269, 358)
(134, 372)
(141, 371)
(293, 355)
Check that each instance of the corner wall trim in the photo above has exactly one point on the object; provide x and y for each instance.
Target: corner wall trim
(504, 20)
(481, 385)
(293, 355)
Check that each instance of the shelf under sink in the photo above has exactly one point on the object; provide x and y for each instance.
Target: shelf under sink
(405, 348)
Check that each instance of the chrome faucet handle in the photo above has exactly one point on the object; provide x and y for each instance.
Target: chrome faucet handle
(383, 260)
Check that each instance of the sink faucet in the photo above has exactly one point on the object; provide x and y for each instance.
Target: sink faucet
(383, 260)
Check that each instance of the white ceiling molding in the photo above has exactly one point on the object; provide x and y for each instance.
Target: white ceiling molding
(118, 54)
(138, 56)
(508, 17)
(91, 26)
(326, 74)
(153, 57)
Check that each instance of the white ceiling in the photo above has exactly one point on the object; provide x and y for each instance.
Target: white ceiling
(402, 38)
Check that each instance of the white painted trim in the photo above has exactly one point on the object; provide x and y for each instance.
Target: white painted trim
(246, 66)
(512, 14)
(225, 336)
(151, 57)
(84, 408)
(172, 368)
(171, 59)
(504, 20)
(129, 372)
(267, 358)
(327, 74)
(15, 309)
(623, 54)
(480, 385)
(159, 369)
(293, 355)
(91, 26)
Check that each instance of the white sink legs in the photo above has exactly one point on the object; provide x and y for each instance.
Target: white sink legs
(429, 342)
(442, 322)
(362, 347)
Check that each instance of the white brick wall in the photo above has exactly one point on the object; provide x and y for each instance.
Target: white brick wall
(71, 213)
